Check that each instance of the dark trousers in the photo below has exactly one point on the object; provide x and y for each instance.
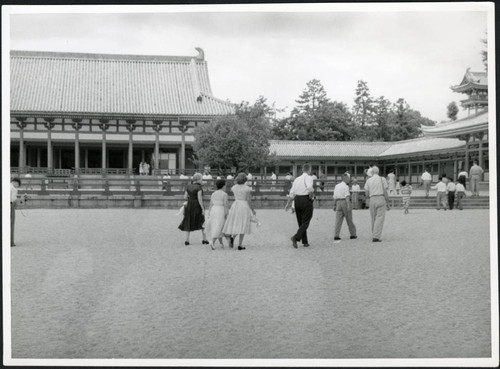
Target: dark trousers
(304, 212)
(12, 222)
(451, 199)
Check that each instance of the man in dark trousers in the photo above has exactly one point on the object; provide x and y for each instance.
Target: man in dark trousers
(302, 194)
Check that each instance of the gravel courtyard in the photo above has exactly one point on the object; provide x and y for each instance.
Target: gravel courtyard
(119, 283)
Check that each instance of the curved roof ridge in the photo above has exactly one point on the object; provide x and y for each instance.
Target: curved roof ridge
(103, 56)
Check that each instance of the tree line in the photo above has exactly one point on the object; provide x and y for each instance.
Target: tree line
(242, 141)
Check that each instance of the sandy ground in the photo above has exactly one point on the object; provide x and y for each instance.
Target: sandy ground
(119, 283)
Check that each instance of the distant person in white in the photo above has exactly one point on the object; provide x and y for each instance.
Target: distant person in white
(462, 177)
(343, 208)
(426, 182)
(475, 175)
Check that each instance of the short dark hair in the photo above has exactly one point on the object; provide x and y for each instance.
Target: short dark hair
(306, 168)
(16, 179)
(403, 183)
(220, 183)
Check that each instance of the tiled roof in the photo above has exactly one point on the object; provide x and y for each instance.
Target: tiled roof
(342, 149)
(470, 80)
(356, 149)
(112, 84)
(475, 123)
(421, 145)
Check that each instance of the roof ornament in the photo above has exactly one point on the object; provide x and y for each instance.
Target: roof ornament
(201, 53)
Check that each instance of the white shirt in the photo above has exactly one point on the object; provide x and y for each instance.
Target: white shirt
(207, 176)
(426, 176)
(249, 176)
(229, 176)
(341, 191)
(450, 186)
(273, 177)
(314, 177)
(460, 187)
(302, 185)
(356, 188)
(375, 185)
(13, 193)
(183, 176)
(288, 177)
(440, 187)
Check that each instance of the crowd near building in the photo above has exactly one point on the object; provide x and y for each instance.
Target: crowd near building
(91, 114)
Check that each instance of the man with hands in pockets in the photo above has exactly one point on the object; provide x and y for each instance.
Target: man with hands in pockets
(343, 208)
(376, 191)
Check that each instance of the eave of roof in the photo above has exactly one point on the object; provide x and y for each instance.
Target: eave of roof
(356, 150)
(473, 124)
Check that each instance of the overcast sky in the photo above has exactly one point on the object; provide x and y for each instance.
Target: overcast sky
(415, 54)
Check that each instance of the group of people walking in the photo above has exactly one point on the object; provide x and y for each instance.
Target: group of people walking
(220, 221)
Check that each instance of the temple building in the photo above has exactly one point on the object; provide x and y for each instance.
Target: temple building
(103, 113)
(472, 130)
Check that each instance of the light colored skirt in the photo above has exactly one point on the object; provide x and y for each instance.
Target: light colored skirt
(238, 220)
(215, 222)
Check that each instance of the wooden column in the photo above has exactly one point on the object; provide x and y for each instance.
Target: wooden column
(76, 126)
(466, 138)
(157, 128)
(183, 127)
(104, 125)
(22, 158)
(131, 128)
(480, 136)
(49, 124)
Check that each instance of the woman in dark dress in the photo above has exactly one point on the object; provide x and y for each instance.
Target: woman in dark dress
(194, 211)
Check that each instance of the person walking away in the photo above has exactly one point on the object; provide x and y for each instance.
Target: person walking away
(240, 214)
(391, 181)
(459, 194)
(406, 194)
(14, 185)
(462, 177)
(218, 212)
(301, 192)
(274, 177)
(426, 182)
(194, 211)
(376, 191)
(355, 190)
(343, 208)
(450, 189)
(398, 187)
(475, 175)
(441, 194)
(323, 177)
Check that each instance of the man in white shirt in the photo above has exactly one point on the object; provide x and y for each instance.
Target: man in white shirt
(441, 194)
(274, 177)
(376, 191)
(450, 190)
(343, 208)
(426, 182)
(301, 188)
(14, 185)
(475, 175)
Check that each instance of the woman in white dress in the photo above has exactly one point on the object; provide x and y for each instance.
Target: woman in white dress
(240, 214)
(218, 211)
